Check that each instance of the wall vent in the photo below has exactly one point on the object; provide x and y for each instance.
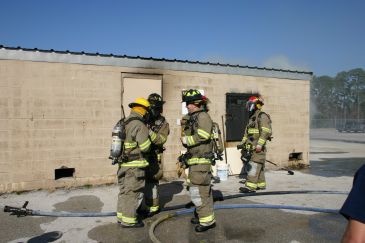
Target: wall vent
(295, 156)
(63, 173)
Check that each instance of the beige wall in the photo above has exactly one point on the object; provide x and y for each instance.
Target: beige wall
(287, 102)
(56, 114)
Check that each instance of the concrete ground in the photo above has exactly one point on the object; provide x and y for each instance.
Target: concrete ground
(333, 163)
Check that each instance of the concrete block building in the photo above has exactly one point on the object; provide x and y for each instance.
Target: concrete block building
(57, 109)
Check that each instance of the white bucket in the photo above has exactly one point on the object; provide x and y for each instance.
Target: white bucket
(222, 172)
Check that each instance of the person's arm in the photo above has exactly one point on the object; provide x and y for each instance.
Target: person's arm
(355, 232)
(354, 210)
(142, 137)
(265, 131)
(159, 137)
(203, 132)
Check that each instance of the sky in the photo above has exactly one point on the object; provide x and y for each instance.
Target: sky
(324, 37)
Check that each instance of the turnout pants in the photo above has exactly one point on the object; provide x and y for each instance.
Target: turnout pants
(201, 194)
(152, 195)
(131, 181)
(153, 175)
(256, 176)
(255, 168)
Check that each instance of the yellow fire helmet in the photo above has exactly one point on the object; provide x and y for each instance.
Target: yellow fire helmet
(140, 102)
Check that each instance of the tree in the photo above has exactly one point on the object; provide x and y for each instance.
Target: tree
(341, 97)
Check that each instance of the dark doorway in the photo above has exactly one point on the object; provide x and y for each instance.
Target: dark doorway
(237, 115)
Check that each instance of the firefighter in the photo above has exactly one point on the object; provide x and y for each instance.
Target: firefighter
(131, 172)
(197, 138)
(253, 144)
(159, 130)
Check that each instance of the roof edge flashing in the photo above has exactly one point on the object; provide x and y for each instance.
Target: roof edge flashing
(39, 55)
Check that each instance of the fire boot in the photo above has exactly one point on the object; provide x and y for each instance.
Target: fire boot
(142, 213)
(243, 181)
(246, 190)
(202, 228)
(139, 224)
(151, 214)
(195, 220)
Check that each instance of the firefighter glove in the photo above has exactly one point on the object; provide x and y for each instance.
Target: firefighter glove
(240, 146)
(184, 140)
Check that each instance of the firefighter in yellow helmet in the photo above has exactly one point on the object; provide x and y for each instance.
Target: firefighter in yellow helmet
(197, 138)
(159, 131)
(253, 144)
(131, 172)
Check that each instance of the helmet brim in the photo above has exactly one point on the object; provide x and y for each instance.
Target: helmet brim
(133, 104)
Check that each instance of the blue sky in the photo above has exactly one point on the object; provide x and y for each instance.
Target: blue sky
(321, 36)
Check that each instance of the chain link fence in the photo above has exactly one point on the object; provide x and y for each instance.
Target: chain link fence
(341, 125)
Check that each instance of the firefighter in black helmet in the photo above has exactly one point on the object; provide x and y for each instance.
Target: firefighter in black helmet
(197, 138)
(158, 132)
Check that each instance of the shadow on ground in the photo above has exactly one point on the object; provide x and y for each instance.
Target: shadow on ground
(12, 227)
(234, 225)
(169, 190)
(333, 167)
(46, 237)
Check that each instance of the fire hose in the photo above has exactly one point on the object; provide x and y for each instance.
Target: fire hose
(24, 211)
(235, 206)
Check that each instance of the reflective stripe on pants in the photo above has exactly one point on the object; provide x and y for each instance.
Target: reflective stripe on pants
(201, 196)
(255, 176)
(131, 183)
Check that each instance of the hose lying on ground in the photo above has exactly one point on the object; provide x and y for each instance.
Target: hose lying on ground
(251, 194)
(233, 206)
(23, 211)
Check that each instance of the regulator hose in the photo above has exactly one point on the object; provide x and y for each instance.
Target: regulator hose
(234, 206)
(24, 211)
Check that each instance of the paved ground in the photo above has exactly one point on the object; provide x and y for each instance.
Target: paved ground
(333, 165)
(331, 134)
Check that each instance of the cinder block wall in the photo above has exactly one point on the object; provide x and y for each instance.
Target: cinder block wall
(56, 114)
(287, 102)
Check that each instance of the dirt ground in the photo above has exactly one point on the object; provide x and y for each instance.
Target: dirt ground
(333, 163)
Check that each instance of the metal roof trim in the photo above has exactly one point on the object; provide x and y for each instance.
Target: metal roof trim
(40, 55)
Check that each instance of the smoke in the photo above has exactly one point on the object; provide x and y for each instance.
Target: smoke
(313, 108)
(224, 60)
(277, 62)
(283, 62)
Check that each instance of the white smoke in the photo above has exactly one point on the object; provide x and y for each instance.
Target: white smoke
(216, 58)
(283, 62)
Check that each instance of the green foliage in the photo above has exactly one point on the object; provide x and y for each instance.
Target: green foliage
(340, 97)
